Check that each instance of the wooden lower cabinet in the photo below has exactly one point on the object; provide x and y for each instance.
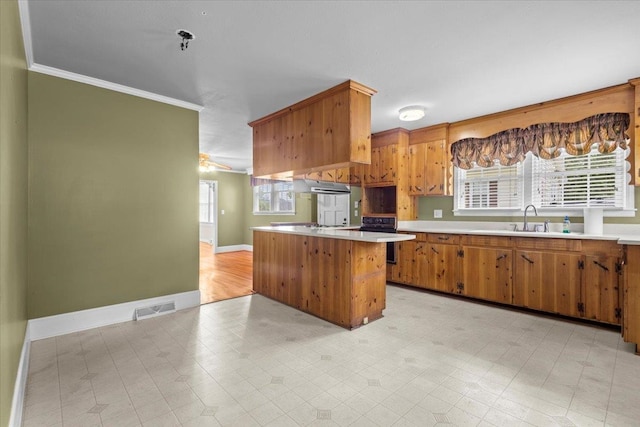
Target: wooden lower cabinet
(603, 281)
(441, 267)
(631, 296)
(342, 281)
(571, 277)
(486, 273)
(548, 281)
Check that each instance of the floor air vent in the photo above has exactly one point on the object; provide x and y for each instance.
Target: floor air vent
(154, 310)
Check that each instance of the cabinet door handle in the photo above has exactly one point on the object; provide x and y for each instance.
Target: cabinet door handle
(527, 259)
(434, 250)
(419, 188)
(502, 257)
(372, 177)
(433, 187)
(604, 267)
(443, 237)
(383, 176)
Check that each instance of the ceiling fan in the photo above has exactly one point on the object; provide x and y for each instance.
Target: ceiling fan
(207, 165)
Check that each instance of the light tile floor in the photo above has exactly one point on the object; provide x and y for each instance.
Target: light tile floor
(251, 361)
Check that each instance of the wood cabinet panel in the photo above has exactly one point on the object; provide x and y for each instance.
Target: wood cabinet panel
(486, 273)
(435, 179)
(427, 168)
(372, 171)
(548, 281)
(631, 296)
(573, 245)
(601, 295)
(417, 169)
(442, 262)
(490, 241)
(450, 239)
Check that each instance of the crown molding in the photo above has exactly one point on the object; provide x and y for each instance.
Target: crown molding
(56, 72)
(25, 21)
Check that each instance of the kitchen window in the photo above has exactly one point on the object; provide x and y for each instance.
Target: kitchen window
(495, 187)
(560, 186)
(274, 198)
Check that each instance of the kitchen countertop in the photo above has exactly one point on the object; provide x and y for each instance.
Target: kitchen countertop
(338, 233)
(623, 237)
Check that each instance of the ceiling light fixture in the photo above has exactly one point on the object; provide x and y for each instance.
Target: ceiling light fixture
(207, 165)
(411, 113)
(185, 36)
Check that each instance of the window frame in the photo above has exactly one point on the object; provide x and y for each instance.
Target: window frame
(211, 202)
(527, 170)
(274, 191)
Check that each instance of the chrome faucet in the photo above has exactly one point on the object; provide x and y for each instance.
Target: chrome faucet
(525, 226)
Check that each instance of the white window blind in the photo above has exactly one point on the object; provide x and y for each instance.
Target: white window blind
(590, 180)
(499, 187)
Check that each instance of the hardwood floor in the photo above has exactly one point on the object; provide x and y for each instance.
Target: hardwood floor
(226, 275)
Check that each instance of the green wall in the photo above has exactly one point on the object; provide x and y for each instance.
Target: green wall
(356, 196)
(231, 198)
(113, 195)
(13, 201)
(426, 205)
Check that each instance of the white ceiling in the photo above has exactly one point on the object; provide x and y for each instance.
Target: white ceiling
(251, 58)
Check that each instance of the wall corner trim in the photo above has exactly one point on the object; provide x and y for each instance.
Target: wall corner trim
(66, 323)
(56, 72)
(20, 387)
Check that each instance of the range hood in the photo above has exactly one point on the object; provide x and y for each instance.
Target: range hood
(319, 187)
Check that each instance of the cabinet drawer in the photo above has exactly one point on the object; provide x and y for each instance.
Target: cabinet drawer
(548, 244)
(420, 237)
(490, 241)
(449, 239)
(602, 247)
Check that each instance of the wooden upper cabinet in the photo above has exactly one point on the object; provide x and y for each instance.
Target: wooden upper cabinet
(386, 152)
(429, 166)
(330, 130)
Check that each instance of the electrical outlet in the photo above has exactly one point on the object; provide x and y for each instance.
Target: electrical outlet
(437, 213)
(355, 213)
(356, 204)
(221, 211)
(365, 320)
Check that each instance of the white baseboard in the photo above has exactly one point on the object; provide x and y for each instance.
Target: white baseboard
(20, 387)
(66, 323)
(234, 248)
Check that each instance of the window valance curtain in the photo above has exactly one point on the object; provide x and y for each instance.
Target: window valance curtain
(544, 140)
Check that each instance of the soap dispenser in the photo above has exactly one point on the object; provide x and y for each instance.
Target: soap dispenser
(566, 224)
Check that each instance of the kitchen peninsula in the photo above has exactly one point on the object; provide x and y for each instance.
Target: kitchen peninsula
(336, 274)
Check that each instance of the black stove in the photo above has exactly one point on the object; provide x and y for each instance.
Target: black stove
(382, 224)
(386, 224)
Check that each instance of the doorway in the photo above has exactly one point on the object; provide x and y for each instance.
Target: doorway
(222, 275)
